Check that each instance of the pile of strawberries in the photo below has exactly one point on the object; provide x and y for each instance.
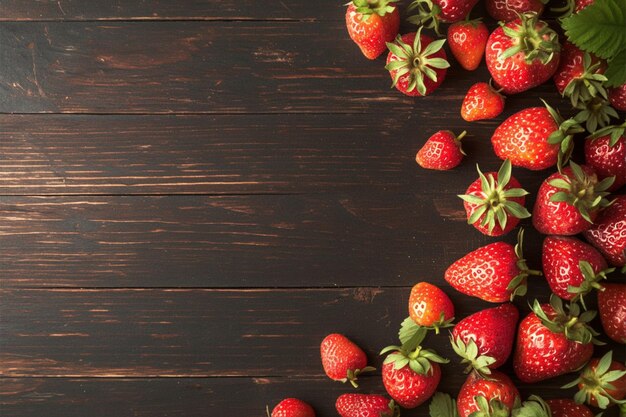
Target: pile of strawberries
(554, 338)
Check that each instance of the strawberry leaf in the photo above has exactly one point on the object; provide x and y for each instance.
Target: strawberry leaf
(616, 71)
(442, 405)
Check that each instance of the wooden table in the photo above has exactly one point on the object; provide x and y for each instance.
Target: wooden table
(194, 193)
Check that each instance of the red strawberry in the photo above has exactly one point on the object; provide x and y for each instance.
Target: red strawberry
(365, 405)
(551, 342)
(371, 25)
(485, 339)
(292, 407)
(507, 10)
(342, 359)
(617, 97)
(579, 75)
(608, 234)
(482, 102)
(417, 63)
(495, 396)
(496, 272)
(430, 307)
(612, 308)
(494, 203)
(567, 203)
(442, 151)
(605, 152)
(432, 12)
(467, 40)
(513, 60)
(537, 407)
(535, 138)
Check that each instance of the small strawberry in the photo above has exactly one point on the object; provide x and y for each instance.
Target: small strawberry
(493, 396)
(507, 10)
(494, 203)
(467, 40)
(372, 24)
(605, 152)
(366, 405)
(608, 234)
(612, 308)
(482, 102)
(551, 342)
(496, 272)
(567, 203)
(342, 359)
(417, 63)
(292, 407)
(485, 339)
(522, 54)
(537, 407)
(617, 97)
(535, 138)
(442, 151)
(430, 307)
(571, 7)
(430, 13)
(580, 75)
(601, 383)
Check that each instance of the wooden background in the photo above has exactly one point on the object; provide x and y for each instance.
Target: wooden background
(194, 193)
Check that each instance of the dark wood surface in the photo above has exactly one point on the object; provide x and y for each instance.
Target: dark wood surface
(194, 193)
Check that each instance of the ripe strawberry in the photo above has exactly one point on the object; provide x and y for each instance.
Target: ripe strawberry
(612, 308)
(371, 25)
(493, 396)
(442, 151)
(605, 152)
(430, 13)
(411, 373)
(608, 234)
(617, 97)
(496, 272)
(482, 102)
(572, 268)
(417, 63)
(601, 383)
(485, 339)
(507, 10)
(467, 40)
(292, 407)
(537, 407)
(494, 203)
(522, 54)
(342, 359)
(430, 307)
(366, 405)
(567, 203)
(580, 75)
(535, 138)
(551, 342)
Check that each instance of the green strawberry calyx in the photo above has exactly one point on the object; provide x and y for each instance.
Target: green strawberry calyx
(572, 324)
(427, 14)
(587, 85)
(594, 112)
(595, 381)
(415, 61)
(534, 407)
(369, 7)
(518, 286)
(411, 353)
(353, 375)
(493, 407)
(615, 132)
(533, 37)
(590, 282)
(493, 202)
(469, 354)
(563, 136)
(442, 405)
(394, 410)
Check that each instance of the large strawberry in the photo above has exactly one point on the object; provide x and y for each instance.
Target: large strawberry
(494, 203)
(608, 234)
(569, 201)
(617, 97)
(551, 342)
(467, 40)
(565, 407)
(430, 307)
(496, 272)
(430, 13)
(417, 63)
(366, 405)
(535, 138)
(612, 308)
(292, 407)
(482, 102)
(493, 396)
(371, 24)
(485, 339)
(605, 152)
(522, 54)
(342, 359)
(580, 75)
(442, 151)
(508, 10)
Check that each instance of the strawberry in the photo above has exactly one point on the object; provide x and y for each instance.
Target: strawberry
(608, 234)
(467, 40)
(482, 102)
(430, 13)
(551, 342)
(507, 10)
(496, 272)
(617, 97)
(572, 6)
(522, 54)
(535, 138)
(612, 308)
(494, 203)
(342, 359)
(442, 151)
(292, 407)
(430, 307)
(485, 339)
(601, 383)
(366, 405)
(537, 407)
(493, 396)
(417, 63)
(411, 373)
(372, 24)
(605, 152)
(572, 268)
(580, 75)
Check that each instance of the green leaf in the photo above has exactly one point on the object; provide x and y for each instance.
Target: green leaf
(616, 71)
(442, 405)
